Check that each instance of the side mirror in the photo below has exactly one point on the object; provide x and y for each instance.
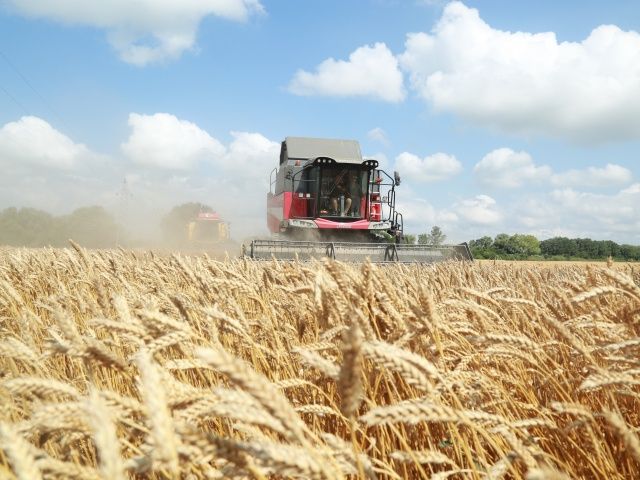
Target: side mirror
(396, 178)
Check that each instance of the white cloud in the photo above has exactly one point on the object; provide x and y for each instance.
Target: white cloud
(377, 134)
(31, 140)
(461, 221)
(432, 168)
(141, 31)
(419, 215)
(370, 72)
(251, 155)
(508, 169)
(43, 168)
(610, 176)
(164, 141)
(631, 190)
(529, 82)
(605, 209)
(481, 210)
(561, 212)
(572, 213)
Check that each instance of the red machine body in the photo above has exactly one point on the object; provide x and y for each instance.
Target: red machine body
(324, 188)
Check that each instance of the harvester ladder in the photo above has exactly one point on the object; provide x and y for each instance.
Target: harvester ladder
(391, 253)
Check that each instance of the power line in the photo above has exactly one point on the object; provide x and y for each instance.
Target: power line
(30, 85)
(15, 100)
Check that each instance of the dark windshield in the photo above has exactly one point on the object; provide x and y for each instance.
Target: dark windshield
(342, 191)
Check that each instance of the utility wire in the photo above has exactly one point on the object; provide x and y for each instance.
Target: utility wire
(30, 85)
(15, 100)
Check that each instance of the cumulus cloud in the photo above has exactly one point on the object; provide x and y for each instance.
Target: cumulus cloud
(419, 214)
(164, 141)
(371, 71)
(506, 168)
(32, 140)
(609, 176)
(480, 210)
(433, 168)
(573, 213)
(378, 135)
(461, 221)
(141, 31)
(44, 168)
(528, 83)
(251, 155)
(606, 209)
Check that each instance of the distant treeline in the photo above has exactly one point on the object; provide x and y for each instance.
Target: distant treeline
(92, 227)
(28, 227)
(528, 247)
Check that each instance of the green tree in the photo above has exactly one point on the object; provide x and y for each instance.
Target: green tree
(25, 227)
(501, 243)
(435, 238)
(91, 227)
(630, 252)
(559, 246)
(409, 239)
(525, 245)
(482, 243)
(482, 247)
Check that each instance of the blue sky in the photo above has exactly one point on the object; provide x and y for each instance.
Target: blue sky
(500, 116)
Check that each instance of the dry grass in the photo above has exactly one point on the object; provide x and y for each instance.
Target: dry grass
(116, 364)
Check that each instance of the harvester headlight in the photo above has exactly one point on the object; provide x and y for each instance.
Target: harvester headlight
(294, 222)
(379, 225)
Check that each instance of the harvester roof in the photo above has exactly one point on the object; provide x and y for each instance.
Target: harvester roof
(302, 148)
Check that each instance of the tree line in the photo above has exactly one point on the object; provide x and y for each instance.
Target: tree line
(92, 227)
(434, 238)
(95, 227)
(29, 227)
(523, 247)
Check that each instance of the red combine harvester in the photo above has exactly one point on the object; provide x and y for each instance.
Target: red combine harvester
(326, 200)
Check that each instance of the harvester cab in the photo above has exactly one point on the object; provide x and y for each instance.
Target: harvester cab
(326, 199)
(324, 189)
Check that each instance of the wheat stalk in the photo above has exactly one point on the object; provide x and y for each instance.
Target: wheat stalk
(165, 443)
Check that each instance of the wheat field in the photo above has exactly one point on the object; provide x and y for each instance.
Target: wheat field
(119, 364)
